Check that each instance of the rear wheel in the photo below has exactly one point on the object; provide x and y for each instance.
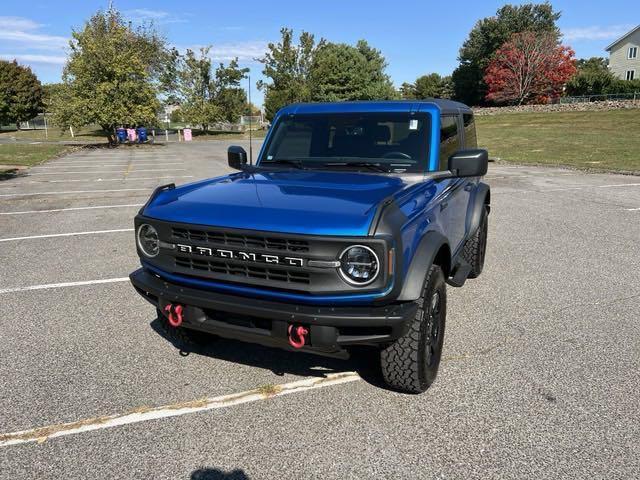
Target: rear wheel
(183, 337)
(411, 363)
(476, 247)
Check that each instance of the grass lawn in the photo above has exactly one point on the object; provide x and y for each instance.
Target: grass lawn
(16, 154)
(88, 134)
(607, 140)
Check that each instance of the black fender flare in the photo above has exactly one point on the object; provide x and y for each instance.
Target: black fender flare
(477, 204)
(421, 262)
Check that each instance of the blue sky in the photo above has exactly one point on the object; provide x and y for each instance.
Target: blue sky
(416, 36)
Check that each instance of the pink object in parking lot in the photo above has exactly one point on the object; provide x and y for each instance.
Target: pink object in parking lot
(131, 134)
(187, 135)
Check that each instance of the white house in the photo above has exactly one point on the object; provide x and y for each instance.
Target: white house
(624, 56)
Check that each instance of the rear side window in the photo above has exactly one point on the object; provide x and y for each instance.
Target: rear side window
(470, 138)
(448, 139)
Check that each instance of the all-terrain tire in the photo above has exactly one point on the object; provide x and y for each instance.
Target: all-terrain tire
(411, 363)
(184, 338)
(476, 247)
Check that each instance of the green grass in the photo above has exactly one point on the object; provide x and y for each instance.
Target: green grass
(608, 140)
(25, 155)
(89, 134)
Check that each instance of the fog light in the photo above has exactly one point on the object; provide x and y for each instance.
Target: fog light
(359, 265)
(148, 240)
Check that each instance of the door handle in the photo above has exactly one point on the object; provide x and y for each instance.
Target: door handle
(468, 187)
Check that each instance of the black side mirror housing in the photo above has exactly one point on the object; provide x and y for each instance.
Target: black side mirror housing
(469, 163)
(237, 157)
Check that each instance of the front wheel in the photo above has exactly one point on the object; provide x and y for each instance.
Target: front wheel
(411, 363)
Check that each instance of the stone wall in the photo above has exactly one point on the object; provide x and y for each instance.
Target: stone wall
(565, 107)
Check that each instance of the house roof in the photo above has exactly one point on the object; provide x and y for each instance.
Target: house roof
(623, 37)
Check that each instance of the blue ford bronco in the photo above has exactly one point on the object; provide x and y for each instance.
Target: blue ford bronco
(344, 232)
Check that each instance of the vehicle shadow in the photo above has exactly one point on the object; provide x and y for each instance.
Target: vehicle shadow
(362, 360)
(217, 474)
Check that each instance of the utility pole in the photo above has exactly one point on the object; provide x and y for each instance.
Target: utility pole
(250, 135)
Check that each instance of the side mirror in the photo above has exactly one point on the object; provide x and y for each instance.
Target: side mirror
(237, 157)
(469, 163)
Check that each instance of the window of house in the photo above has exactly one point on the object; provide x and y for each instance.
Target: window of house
(633, 52)
(631, 74)
(448, 139)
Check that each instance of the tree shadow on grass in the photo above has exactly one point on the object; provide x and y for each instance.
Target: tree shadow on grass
(364, 361)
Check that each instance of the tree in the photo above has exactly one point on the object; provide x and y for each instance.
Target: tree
(229, 94)
(530, 67)
(206, 96)
(20, 93)
(592, 78)
(427, 86)
(488, 35)
(287, 66)
(342, 72)
(112, 75)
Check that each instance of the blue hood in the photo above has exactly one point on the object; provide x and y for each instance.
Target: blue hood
(305, 202)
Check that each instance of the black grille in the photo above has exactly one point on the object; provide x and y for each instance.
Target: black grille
(243, 270)
(238, 240)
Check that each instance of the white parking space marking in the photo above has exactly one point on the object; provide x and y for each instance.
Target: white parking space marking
(75, 191)
(71, 209)
(94, 164)
(63, 285)
(71, 234)
(632, 209)
(123, 179)
(620, 185)
(41, 434)
(109, 171)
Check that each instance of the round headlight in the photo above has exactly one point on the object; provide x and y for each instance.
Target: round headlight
(148, 240)
(359, 265)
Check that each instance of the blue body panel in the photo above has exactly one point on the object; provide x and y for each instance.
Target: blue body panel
(290, 201)
(324, 203)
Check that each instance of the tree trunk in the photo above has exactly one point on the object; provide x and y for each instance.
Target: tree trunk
(109, 130)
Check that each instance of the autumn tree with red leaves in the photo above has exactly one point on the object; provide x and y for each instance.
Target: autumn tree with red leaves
(529, 68)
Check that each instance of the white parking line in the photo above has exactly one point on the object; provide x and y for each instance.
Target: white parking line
(71, 234)
(175, 410)
(123, 179)
(75, 191)
(632, 209)
(24, 212)
(110, 171)
(620, 185)
(63, 285)
(93, 164)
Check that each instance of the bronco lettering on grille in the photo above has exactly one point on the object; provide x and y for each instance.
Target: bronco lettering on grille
(238, 255)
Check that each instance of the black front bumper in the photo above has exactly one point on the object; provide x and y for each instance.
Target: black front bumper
(266, 322)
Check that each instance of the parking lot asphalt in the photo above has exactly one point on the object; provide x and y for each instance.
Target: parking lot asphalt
(540, 374)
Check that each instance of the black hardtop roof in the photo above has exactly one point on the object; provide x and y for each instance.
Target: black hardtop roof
(444, 105)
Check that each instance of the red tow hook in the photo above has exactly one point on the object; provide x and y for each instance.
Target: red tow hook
(297, 335)
(174, 314)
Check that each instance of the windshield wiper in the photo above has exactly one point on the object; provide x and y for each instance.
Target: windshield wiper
(376, 167)
(294, 163)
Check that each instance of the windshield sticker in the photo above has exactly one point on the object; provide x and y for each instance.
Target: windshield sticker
(269, 157)
(413, 124)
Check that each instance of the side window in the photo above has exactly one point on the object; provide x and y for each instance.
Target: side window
(470, 138)
(448, 139)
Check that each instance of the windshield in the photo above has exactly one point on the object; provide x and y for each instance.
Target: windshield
(385, 142)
